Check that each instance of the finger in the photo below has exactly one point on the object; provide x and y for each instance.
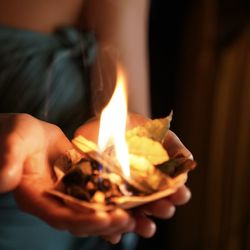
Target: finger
(121, 222)
(61, 217)
(57, 142)
(93, 224)
(175, 147)
(130, 227)
(113, 239)
(162, 208)
(89, 130)
(181, 196)
(144, 226)
(11, 163)
(56, 214)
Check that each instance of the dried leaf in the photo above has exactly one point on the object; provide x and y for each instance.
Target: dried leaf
(84, 145)
(155, 129)
(177, 166)
(90, 149)
(140, 170)
(153, 151)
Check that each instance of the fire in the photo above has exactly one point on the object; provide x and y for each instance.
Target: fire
(113, 123)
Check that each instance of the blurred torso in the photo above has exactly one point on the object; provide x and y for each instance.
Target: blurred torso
(40, 15)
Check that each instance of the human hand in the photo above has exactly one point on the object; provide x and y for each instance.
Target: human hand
(29, 148)
(163, 208)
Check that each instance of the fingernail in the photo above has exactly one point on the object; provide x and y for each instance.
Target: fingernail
(151, 230)
(169, 212)
(147, 212)
(188, 195)
(10, 179)
(115, 240)
(184, 153)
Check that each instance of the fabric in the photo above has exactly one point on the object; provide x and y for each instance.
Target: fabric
(45, 76)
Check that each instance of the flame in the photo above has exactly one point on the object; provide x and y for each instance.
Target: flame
(113, 123)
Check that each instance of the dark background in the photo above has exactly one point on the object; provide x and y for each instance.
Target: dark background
(166, 23)
(199, 68)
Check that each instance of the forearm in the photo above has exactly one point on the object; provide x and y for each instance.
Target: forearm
(122, 26)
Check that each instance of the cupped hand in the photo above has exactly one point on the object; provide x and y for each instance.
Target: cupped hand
(29, 148)
(163, 208)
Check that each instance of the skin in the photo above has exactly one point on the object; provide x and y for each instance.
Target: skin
(29, 148)
(163, 208)
(120, 28)
(44, 16)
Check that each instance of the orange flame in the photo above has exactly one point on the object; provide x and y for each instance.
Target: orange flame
(113, 123)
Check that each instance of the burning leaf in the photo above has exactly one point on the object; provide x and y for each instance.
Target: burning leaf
(155, 129)
(153, 151)
(90, 149)
(141, 169)
(84, 145)
(141, 164)
(125, 169)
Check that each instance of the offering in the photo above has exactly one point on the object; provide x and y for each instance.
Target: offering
(125, 168)
(91, 179)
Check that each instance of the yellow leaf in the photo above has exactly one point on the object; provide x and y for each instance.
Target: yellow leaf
(153, 151)
(141, 169)
(140, 164)
(155, 129)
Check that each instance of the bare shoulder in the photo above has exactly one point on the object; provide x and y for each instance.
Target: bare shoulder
(40, 15)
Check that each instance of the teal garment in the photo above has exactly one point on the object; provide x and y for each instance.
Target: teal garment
(45, 76)
(22, 231)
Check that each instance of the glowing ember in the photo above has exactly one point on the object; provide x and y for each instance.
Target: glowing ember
(113, 123)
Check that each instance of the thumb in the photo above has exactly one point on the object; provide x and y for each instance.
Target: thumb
(11, 168)
(175, 147)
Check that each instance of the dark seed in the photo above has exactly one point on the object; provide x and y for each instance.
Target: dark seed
(176, 166)
(79, 193)
(91, 188)
(74, 177)
(105, 185)
(96, 179)
(85, 167)
(96, 165)
(90, 185)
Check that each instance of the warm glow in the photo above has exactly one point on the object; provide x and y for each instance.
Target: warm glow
(113, 124)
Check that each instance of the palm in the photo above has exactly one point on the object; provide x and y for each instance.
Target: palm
(30, 148)
(41, 145)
